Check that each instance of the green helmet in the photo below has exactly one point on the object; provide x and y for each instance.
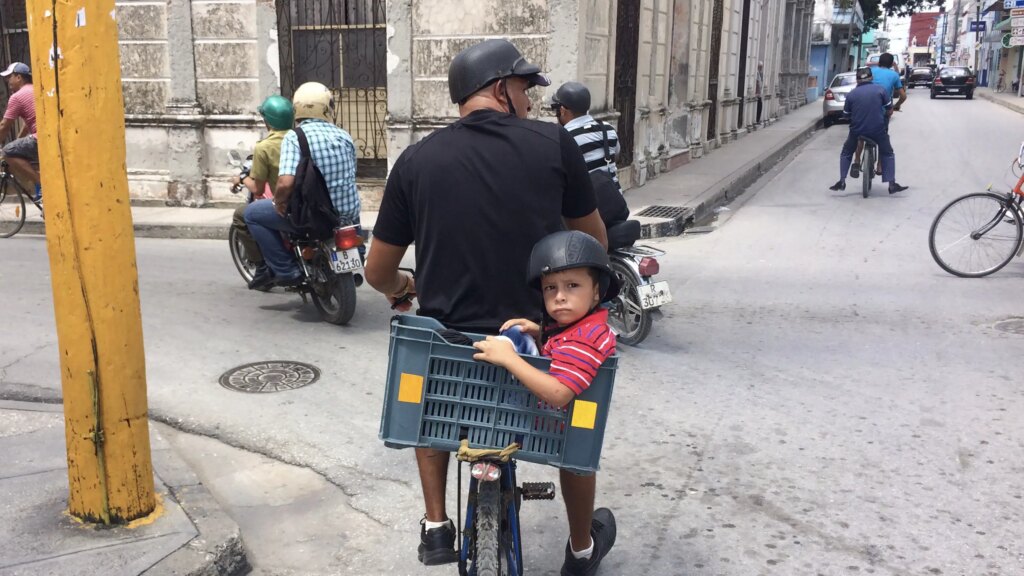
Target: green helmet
(278, 112)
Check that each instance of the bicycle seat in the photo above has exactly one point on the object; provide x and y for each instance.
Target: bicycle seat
(867, 140)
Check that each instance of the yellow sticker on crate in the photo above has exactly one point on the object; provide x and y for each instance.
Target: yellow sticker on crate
(584, 414)
(410, 388)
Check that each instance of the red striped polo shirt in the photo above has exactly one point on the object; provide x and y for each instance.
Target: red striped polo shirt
(579, 350)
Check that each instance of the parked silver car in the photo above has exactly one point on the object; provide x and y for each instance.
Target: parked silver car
(835, 97)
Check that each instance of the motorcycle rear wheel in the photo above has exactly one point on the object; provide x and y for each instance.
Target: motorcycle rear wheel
(334, 295)
(246, 267)
(627, 317)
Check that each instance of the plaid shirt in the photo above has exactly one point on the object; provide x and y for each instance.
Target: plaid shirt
(335, 155)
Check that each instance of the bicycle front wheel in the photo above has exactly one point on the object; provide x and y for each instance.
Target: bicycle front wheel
(488, 524)
(12, 210)
(975, 235)
(867, 170)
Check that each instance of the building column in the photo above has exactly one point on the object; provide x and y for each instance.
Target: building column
(186, 184)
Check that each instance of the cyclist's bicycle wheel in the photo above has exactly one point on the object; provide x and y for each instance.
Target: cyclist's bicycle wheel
(976, 234)
(12, 210)
(487, 545)
(867, 172)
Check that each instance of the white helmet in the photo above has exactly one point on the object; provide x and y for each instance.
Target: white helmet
(313, 100)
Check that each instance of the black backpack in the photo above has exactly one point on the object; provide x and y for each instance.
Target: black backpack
(310, 209)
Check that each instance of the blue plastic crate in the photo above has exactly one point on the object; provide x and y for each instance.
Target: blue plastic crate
(437, 394)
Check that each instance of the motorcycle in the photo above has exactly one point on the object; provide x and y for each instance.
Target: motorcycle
(640, 298)
(331, 269)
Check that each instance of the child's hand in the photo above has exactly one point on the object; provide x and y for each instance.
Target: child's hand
(525, 326)
(498, 351)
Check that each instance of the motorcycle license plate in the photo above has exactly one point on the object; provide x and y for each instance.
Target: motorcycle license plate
(346, 261)
(654, 295)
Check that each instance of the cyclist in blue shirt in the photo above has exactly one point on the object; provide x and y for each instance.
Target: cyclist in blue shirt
(886, 77)
(866, 104)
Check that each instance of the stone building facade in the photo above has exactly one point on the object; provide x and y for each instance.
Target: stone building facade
(678, 77)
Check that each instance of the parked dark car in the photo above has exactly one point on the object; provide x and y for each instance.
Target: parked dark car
(954, 81)
(920, 77)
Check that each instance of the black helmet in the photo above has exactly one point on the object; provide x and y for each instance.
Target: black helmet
(574, 96)
(483, 63)
(864, 75)
(572, 249)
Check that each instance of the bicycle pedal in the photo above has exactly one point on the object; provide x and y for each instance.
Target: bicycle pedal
(538, 490)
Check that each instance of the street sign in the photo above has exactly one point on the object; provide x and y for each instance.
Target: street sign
(1016, 41)
(977, 26)
(1017, 32)
(1017, 22)
(1016, 12)
(1007, 4)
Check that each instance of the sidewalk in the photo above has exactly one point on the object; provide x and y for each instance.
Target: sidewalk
(190, 534)
(687, 194)
(1007, 99)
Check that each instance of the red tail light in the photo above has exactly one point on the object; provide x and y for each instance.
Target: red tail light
(649, 266)
(938, 81)
(970, 80)
(347, 237)
(829, 95)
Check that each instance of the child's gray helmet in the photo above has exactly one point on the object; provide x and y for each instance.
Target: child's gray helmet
(483, 63)
(574, 96)
(569, 249)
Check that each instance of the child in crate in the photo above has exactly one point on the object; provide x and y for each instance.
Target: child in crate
(572, 272)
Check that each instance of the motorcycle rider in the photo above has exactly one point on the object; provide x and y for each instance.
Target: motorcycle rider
(278, 116)
(475, 197)
(333, 153)
(571, 105)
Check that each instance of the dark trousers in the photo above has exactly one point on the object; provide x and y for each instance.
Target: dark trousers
(885, 153)
(760, 106)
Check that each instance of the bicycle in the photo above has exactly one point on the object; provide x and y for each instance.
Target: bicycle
(438, 397)
(12, 205)
(979, 233)
(868, 158)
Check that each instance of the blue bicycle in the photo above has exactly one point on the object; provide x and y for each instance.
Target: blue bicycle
(491, 540)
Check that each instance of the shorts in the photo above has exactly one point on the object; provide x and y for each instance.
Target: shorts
(26, 148)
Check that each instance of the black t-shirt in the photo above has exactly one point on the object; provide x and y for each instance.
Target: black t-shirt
(475, 197)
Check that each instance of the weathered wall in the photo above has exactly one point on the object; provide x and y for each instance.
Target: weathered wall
(193, 73)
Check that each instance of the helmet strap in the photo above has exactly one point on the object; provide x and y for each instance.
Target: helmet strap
(508, 100)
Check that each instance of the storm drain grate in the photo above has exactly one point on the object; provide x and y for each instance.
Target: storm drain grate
(1011, 325)
(669, 212)
(270, 376)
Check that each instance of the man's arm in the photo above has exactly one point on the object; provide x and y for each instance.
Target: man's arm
(5, 126)
(903, 98)
(285, 184)
(382, 271)
(591, 224)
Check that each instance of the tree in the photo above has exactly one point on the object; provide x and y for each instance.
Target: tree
(873, 9)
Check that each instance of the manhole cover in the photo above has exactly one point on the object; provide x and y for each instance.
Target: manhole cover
(670, 212)
(1011, 325)
(273, 376)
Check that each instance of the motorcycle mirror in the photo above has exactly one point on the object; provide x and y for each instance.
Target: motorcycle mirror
(234, 159)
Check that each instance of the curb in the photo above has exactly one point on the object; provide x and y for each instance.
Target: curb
(1019, 108)
(217, 549)
(735, 184)
(170, 231)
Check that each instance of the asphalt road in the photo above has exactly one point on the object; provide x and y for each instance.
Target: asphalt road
(820, 399)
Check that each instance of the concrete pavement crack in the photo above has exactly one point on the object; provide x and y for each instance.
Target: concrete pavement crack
(3, 369)
(203, 431)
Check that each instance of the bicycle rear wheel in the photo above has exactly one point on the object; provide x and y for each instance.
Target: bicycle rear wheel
(488, 525)
(975, 235)
(12, 210)
(867, 171)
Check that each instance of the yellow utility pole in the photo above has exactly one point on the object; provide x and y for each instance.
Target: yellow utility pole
(80, 120)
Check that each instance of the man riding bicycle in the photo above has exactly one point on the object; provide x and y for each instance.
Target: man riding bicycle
(22, 153)
(866, 105)
(886, 77)
(474, 198)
